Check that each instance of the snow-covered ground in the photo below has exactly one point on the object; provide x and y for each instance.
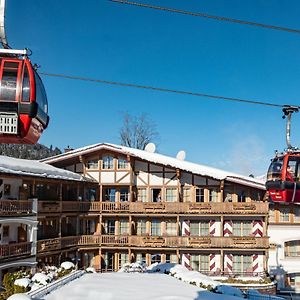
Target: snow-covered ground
(124, 286)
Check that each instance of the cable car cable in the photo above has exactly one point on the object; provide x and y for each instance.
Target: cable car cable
(204, 15)
(167, 90)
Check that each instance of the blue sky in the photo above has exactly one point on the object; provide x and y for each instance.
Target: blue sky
(100, 39)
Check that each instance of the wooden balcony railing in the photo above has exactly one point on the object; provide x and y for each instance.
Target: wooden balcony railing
(17, 249)
(186, 242)
(68, 206)
(15, 207)
(67, 242)
(186, 207)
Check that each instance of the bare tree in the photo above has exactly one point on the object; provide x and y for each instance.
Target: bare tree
(137, 131)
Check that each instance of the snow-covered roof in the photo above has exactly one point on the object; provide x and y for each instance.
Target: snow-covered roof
(167, 161)
(25, 167)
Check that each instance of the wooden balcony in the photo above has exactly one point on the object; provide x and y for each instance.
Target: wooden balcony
(187, 208)
(68, 206)
(13, 250)
(15, 207)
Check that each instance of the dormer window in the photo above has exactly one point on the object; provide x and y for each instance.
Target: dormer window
(122, 163)
(107, 162)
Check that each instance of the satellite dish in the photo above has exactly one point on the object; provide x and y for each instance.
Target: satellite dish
(150, 147)
(181, 155)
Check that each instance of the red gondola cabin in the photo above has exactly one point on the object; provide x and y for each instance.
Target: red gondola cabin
(283, 179)
(23, 102)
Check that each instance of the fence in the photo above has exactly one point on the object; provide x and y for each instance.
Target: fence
(41, 292)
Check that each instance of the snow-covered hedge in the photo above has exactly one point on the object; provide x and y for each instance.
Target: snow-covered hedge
(133, 268)
(182, 273)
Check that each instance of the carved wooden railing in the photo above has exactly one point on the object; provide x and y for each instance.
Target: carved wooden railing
(15, 207)
(68, 206)
(17, 249)
(186, 207)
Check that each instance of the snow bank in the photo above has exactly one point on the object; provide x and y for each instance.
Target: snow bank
(67, 265)
(24, 282)
(182, 273)
(229, 290)
(19, 297)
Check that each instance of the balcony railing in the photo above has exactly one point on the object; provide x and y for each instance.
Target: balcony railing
(17, 249)
(15, 207)
(186, 207)
(154, 241)
(68, 206)
(186, 242)
(67, 242)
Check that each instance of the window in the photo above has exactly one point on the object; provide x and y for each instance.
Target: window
(284, 214)
(92, 164)
(7, 189)
(123, 259)
(199, 195)
(90, 194)
(124, 227)
(242, 263)
(155, 228)
(141, 227)
(204, 263)
(274, 172)
(110, 195)
(186, 194)
(242, 228)
(156, 195)
(271, 214)
(41, 97)
(107, 162)
(171, 258)
(26, 86)
(124, 194)
(9, 81)
(110, 227)
(142, 195)
(88, 226)
(122, 163)
(155, 258)
(296, 214)
(241, 196)
(195, 263)
(204, 228)
(171, 228)
(228, 196)
(213, 195)
(171, 195)
(5, 231)
(194, 229)
(199, 228)
(140, 257)
(292, 248)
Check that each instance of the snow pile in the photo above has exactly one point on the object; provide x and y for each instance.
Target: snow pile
(19, 297)
(182, 273)
(67, 265)
(41, 278)
(133, 268)
(24, 282)
(229, 290)
(90, 270)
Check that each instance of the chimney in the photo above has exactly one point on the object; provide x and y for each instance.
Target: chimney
(68, 149)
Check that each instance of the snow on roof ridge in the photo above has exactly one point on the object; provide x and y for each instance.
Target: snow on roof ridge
(198, 169)
(18, 166)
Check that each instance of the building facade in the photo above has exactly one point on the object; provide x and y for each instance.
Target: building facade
(28, 191)
(153, 208)
(284, 232)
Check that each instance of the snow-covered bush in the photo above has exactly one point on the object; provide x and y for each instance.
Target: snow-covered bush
(133, 268)
(41, 279)
(182, 273)
(65, 268)
(67, 265)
